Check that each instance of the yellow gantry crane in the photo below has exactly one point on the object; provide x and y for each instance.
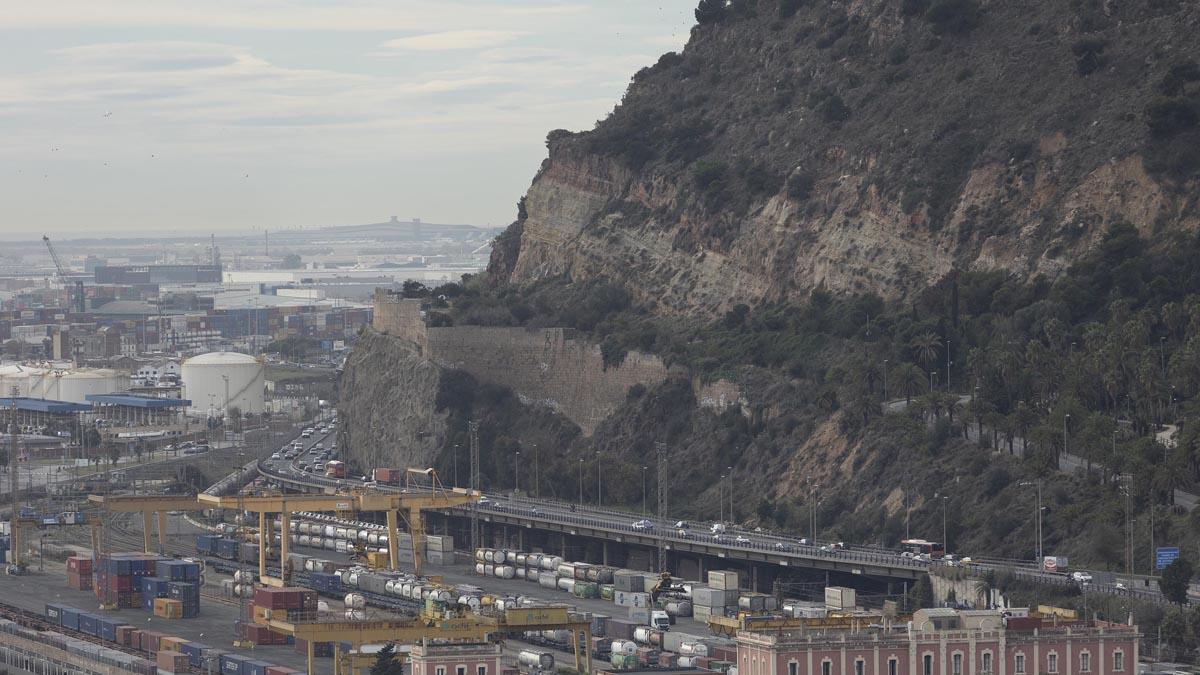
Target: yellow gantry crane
(449, 627)
(411, 502)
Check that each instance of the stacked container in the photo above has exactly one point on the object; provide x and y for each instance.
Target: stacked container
(79, 573)
(170, 663)
(167, 608)
(291, 604)
(118, 578)
(187, 593)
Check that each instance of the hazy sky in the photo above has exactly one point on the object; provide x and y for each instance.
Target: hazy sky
(218, 115)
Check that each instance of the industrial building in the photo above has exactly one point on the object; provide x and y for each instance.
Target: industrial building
(946, 642)
(219, 381)
(158, 274)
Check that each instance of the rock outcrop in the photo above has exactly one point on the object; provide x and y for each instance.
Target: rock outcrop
(387, 405)
(867, 146)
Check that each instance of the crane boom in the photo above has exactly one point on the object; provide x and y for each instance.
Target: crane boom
(74, 287)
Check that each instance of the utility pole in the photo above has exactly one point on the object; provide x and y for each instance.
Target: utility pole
(13, 485)
(599, 482)
(581, 481)
(473, 428)
(537, 479)
(661, 485)
(732, 519)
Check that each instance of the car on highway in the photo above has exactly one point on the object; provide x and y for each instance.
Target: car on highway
(681, 525)
(196, 450)
(643, 525)
(780, 546)
(484, 501)
(1081, 577)
(717, 528)
(276, 456)
(741, 539)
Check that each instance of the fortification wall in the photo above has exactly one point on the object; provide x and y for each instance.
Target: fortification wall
(546, 366)
(399, 316)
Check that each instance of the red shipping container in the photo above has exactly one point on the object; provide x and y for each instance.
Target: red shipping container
(173, 662)
(666, 660)
(135, 638)
(123, 635)
(150, 640)
(701, 661)
(78, 563)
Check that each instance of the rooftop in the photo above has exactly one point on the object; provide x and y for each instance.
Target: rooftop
(138, 401)
(44, 405)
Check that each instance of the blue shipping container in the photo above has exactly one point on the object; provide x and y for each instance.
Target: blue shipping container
(195, 652)
(90, 624)
(255, 668)
(154, 587)
(178, 570)
(54, 613)
(231, 664)
(70, 618)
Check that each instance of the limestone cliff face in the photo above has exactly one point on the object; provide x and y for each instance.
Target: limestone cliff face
(387, 405)
(867, 146)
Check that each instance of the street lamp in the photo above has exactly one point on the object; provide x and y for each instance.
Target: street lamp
(516, 473)
(945, 538)
(643, 491)
(885, 369)
(721, 499)
(599, 482)
(731, 516)
(581, 481)
(1066, 421)
(537, 480)
(1038, 526)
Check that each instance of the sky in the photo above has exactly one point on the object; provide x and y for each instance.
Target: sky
(195, 116)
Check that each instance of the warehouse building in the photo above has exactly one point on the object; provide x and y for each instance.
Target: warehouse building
(947, 642)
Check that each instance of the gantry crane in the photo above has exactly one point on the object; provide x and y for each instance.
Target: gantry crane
(76, 299)
(412, 502)
(451, 626)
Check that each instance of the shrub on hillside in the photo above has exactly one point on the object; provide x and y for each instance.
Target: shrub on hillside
(953, 17)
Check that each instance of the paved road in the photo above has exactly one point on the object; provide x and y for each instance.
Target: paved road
(735, 543)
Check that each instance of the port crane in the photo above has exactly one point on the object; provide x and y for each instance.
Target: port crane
(410, 504)
(76, 299)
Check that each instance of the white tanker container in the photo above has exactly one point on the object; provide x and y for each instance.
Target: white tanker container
(567, 585)
(547, 580)
(356, 615)
(557, 635)
(693, 649)
(685, 661)
(536, 660)
(354, 601)
(479, 568)
(624, 647)
(679, 608)
(647, 636)
(505, 572)
(208, 377)
(550, 563)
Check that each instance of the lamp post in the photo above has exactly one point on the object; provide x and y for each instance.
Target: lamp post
(1066, 421)
(456, 483)
(945, 538)
(721, 499)
(948, 364)
(537, 480)
(599, 482)
(731, 516)
(1038, 522)
(643, 491)
(581, 481)
(885, 369)
(516, 473)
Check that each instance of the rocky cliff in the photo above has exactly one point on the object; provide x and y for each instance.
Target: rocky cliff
(388, 405)
(872, 145)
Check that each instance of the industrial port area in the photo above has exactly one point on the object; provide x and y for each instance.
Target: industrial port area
(276, 569)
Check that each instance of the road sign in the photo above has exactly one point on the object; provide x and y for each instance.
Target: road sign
(1165, 555)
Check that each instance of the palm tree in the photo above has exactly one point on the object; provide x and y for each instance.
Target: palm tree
(926, 348)
(910, 380)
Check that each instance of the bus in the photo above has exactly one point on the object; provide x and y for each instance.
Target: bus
(933, 549)
(335, 469)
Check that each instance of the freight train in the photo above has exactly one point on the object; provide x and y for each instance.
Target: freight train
(148, 642)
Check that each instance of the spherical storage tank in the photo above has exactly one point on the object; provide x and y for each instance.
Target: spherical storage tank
(204, 379)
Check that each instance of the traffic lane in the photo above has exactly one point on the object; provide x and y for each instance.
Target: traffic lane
(753, 541)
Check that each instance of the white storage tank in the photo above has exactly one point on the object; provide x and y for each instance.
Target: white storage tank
(204, 379)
